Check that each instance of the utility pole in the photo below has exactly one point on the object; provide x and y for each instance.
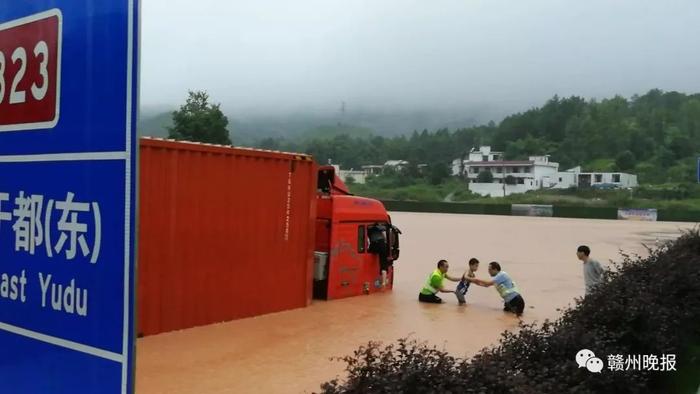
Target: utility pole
(342, 113)
(503, 179)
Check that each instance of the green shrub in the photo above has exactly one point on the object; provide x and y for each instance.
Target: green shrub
(644, 306)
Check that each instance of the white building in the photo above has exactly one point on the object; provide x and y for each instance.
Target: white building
(360, 176)
(483, 155)
(532, 174)
(535, 173)
(373, 169)
(357, 176)
(575, 178)
(396, 165)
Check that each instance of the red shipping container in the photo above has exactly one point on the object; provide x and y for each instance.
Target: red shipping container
(224, 233)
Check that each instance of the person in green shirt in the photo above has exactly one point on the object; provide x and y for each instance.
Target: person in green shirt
(434, 284)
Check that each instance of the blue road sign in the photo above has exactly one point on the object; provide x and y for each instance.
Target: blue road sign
(68, 99)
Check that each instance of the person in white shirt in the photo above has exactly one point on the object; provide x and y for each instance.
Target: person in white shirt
(592, 270)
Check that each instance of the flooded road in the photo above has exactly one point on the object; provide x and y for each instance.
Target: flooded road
(289, 352)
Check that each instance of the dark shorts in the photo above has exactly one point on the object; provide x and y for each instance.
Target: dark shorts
(463, 287)
(461, 292)
(516, 305)
(429, 298)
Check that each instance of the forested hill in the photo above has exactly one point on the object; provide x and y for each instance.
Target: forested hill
(656, 135)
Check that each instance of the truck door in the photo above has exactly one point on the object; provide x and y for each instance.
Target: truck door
(348, 248)
(393, 242)
(321, 263)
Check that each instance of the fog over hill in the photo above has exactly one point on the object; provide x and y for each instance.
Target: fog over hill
(247, 129)
(282, 68)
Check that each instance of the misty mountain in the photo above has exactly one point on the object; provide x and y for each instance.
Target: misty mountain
(154, 124)
(247, 130)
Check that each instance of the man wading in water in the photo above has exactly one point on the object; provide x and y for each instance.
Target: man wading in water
(433, 284)
(506, 287)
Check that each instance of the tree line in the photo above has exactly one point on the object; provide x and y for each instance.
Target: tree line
(655, 135)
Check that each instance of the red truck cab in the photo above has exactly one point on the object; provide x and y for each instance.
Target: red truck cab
(345, 263)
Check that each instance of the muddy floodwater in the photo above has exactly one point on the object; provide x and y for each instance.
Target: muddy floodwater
(289, 352)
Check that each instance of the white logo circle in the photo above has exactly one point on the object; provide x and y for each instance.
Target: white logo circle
(594, 365)
(583, 356)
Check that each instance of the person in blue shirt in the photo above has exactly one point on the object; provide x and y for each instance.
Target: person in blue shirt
(506, 287)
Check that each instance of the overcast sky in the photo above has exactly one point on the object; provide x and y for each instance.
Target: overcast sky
(414, 54)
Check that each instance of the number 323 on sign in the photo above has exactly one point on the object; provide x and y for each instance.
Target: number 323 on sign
(30, 70)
